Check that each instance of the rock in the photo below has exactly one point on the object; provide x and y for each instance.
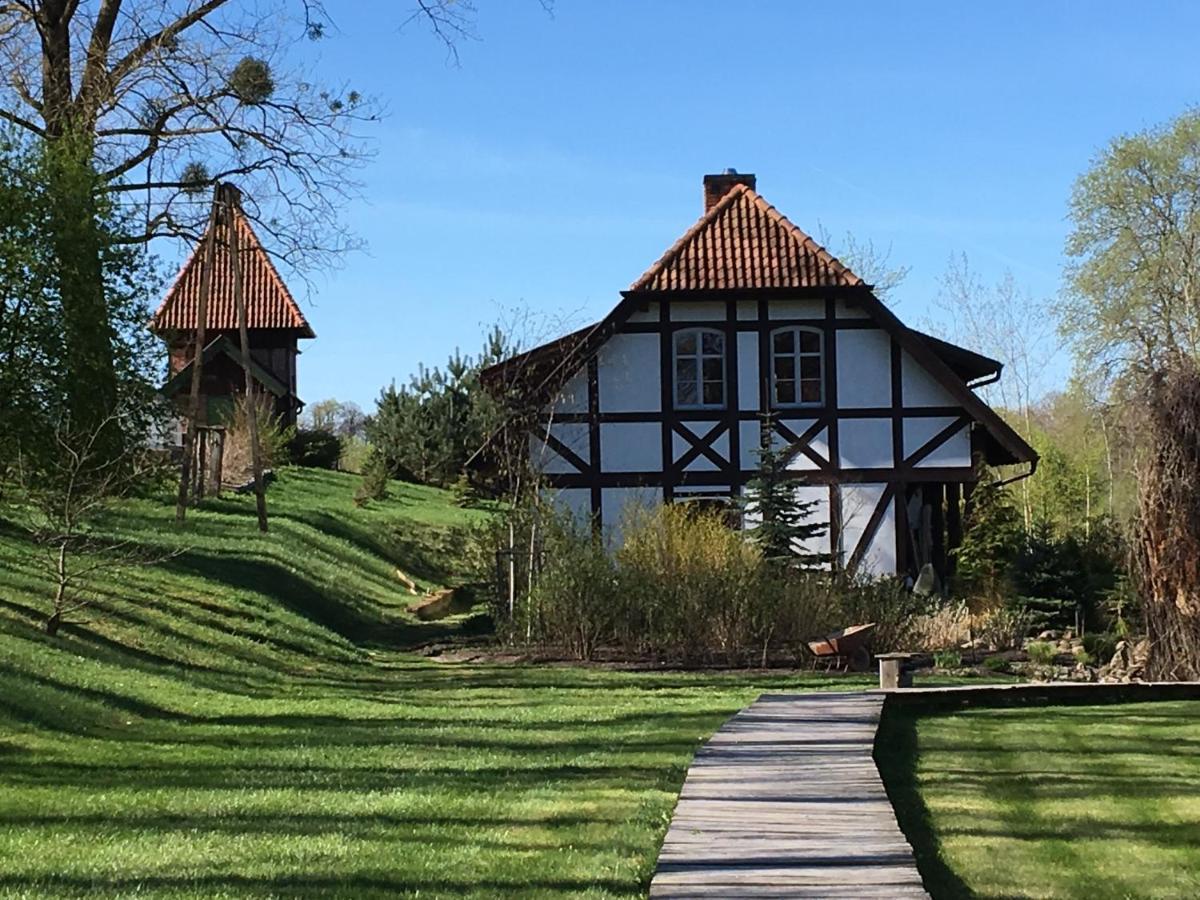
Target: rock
(1048, 636)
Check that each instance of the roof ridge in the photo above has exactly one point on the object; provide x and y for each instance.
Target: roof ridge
(743, 241)
(676, 248)
(808, 240)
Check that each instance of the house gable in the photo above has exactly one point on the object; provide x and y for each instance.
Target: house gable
(887, 425)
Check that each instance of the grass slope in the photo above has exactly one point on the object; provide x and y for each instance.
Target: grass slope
(237, 723)
(1087, 802)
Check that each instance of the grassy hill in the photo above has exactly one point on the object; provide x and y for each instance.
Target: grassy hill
(243, 721)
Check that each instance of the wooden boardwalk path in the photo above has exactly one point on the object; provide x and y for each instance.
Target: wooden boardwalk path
(785, 801)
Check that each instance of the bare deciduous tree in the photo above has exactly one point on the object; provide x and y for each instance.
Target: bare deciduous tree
(60, 500)
(173, 96)
(1012, 326)
(869, 261)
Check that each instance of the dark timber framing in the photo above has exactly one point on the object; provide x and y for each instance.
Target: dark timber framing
(699, 429)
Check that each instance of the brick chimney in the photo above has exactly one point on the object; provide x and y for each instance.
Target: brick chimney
(717, 186)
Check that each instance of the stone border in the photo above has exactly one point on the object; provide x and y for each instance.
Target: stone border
(1049, 693)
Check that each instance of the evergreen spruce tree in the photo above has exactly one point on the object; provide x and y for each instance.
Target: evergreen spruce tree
(784, 523)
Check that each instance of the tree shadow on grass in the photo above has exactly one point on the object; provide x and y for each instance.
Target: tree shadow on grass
(300, 596)
(896, 756)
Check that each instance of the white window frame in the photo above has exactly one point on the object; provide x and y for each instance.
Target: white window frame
(698, 357)
(797, 355)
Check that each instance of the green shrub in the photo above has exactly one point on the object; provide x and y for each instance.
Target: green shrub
(1003, 628)
(1100, 645)
(947, 659)
(315, 448)
(690, 584)
(997, 664)
(682, 587)
(1083, 657)
(1041, 653)
(356, 452)
(374, 484)
(575, 597)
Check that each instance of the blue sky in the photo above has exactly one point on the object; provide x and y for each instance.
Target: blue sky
(565, 152)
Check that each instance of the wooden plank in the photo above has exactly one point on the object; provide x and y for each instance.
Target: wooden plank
(785, 801)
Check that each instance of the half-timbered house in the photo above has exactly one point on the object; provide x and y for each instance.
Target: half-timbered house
(746, 320)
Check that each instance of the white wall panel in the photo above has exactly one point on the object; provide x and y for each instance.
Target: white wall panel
(576, 501)
(880, 557)
(573, 435)
(574, 396)
(649, 314)
(747, 310)
(955, 452)
(631, 447)
(921, 388)
(747, 354)
(865, 443)
(698, 311)
(795, 309)
(858, 503)
(844, 309)
(864, 368)
(818, 495)
(629, 374)
(749, 440)
(620, 506)
(919, 430)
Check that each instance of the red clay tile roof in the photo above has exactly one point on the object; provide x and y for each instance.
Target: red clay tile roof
(744, 242)
(269, 303)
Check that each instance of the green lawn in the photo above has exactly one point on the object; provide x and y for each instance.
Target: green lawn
(1085, 802)
(240, 722)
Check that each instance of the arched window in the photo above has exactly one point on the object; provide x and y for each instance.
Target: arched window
(797, 367)
(699, 368)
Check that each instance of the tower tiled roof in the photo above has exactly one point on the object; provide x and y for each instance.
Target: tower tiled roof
(269, 303)
(744, 242)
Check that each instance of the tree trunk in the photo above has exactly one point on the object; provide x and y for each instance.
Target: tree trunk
(89, 376)
(53, 623)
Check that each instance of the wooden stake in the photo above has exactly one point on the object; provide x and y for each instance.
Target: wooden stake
(232, 198)
(189, 439)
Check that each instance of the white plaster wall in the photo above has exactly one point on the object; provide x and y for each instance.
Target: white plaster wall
(819, 495)
(858, 503)
(619, 507)
(574, 396)
(864, 368)
(576, 501)
(865, 443)
(628, 374)
(749, 438)
(880, 558)
(795, 309)
(698, 311)
(680, 446)
(649, 314)
(920, 388)
(919, 430)
(955, 452)
(747, 353)
(631, 447)
(747, 310)
(844, 309)
(572, 434)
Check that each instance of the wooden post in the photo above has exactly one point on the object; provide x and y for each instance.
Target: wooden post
(953, 525)
(189, 438)
(232, 198)
(892, 674)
